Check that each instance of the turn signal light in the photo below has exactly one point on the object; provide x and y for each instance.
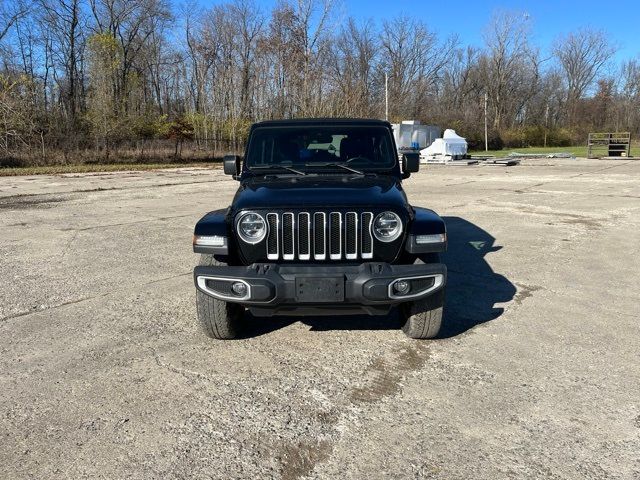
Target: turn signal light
(210, 240)
(437, 238)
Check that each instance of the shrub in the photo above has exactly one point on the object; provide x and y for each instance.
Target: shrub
(560, 137)
(513, 138)
(534, 136)
(180, 130)
(475, 140)
(528, 136)
(495, 141)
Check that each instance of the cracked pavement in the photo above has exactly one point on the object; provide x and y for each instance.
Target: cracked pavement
(104, 373)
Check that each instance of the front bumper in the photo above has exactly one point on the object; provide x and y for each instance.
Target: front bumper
(296, 289)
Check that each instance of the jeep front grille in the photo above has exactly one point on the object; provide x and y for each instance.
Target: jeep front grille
(319, 236)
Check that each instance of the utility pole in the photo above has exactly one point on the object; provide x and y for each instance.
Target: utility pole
(486, 137)
(386, 96)
(546, 124)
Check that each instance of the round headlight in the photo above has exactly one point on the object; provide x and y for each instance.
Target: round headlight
(387, 227)
(251, 227)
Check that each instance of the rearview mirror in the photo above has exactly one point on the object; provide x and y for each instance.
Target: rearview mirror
(231, 164)
(410, 163)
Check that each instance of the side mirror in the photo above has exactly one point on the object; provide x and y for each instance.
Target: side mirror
(231, 164)
(410, 163)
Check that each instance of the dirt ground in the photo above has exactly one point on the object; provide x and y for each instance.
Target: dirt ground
(104, 373)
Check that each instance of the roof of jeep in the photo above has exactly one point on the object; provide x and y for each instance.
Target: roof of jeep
(322, 121)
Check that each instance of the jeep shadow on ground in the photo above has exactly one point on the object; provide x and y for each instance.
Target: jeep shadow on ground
(473, 288)
(473, 291)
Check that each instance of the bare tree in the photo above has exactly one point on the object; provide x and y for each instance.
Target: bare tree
(352, 64)
(460, 93)
(508, 62)
(630, 95)
(10, 15)
(582, 55)
(104, 114)
(414, 61)
(132, 24)
(297, 44)
(220, 68)
(64, 20)
(249, 25)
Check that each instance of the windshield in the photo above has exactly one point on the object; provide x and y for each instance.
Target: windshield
(313, 148)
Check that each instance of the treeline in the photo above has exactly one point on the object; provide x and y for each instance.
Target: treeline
(113, 80)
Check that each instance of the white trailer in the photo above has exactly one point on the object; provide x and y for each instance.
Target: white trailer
(412, 134)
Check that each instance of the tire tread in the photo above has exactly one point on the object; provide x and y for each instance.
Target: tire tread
(220, 320)
(423, 318)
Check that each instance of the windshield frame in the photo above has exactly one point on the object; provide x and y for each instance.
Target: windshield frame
(393, 168)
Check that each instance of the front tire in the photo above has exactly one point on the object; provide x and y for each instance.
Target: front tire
(220, 320)
(423, 317)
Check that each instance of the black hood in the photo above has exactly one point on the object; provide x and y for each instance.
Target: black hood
(375, 191)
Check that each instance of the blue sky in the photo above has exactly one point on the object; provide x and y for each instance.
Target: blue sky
(467, 18)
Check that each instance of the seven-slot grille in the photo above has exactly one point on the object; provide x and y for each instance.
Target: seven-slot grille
(319, 236)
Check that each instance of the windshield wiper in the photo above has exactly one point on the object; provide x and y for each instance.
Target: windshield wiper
(279, 167)
(331, 164)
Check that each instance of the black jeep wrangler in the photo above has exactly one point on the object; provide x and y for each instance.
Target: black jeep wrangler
(320, 225)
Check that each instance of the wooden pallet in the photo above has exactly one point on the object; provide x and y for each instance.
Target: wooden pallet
(616, 144)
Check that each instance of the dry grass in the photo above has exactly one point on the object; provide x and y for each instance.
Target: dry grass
(155, 152)
(110, 167)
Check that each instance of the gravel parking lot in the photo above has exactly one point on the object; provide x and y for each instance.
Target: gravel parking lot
(104, 373)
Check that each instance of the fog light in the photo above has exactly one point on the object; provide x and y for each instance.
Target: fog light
(401, 287)
(239, 288)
